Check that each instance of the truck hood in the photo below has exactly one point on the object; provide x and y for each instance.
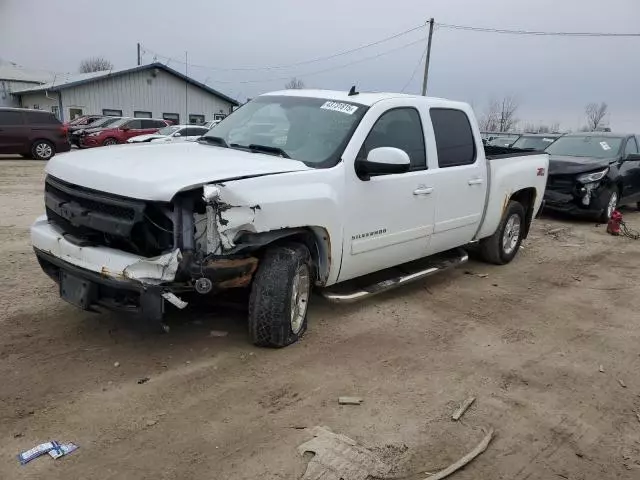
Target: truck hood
(157, 171)
(565, 165)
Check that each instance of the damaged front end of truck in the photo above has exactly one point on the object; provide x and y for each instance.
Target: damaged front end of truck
(135, 255)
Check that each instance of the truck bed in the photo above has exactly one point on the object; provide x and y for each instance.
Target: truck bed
(494, 152)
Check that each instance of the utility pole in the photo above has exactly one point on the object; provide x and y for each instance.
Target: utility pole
(139, 56)
(426, 63)
(186, 90)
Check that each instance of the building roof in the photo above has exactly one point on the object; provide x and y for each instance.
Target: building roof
(17, 73)
(64, 81)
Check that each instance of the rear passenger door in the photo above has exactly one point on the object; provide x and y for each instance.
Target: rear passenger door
(132, 128)
(14, 137)
(152, 126)
(460, 180)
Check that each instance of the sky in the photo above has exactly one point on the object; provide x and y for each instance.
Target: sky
(553, 78)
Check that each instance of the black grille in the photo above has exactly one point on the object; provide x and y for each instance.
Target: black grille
(105, 219)
(72, 193)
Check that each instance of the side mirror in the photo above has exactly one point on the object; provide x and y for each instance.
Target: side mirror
(383, 161)
(177, 134)
(632, 157)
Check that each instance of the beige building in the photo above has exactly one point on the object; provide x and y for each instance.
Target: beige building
(147, 91)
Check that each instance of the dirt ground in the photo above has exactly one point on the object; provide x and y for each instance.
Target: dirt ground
(527, 341)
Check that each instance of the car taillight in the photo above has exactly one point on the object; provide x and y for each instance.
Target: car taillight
(64, 130)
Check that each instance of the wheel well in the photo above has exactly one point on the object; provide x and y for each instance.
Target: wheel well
(316, 239)
(527, 198)
(110, 138)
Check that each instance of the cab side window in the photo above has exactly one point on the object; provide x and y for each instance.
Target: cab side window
(454, 138)
(400, 128)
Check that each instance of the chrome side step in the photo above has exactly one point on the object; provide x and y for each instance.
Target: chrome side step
(341, 293)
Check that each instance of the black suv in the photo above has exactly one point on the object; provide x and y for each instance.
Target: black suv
(590, 174)
(32, 133)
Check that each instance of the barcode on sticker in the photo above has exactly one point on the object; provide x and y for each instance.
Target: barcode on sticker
(339, 107)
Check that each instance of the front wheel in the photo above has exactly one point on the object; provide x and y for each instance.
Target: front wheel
(110, 141)
(611, 205)
(501, 247)
(42, 150)
(280, 296)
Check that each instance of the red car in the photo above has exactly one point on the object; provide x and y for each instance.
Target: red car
(120, 132)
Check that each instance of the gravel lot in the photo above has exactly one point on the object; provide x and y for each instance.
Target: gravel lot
(527, 340)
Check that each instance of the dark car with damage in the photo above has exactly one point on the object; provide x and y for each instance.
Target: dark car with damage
(590, 174)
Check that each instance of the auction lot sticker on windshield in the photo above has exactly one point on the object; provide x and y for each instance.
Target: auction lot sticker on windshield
(339, 107)
(605, 146)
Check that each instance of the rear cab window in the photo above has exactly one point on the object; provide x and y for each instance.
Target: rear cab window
(455, 143)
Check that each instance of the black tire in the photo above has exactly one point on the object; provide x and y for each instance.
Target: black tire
(492, 249)
(109, 141)
(605, 215)
(638, 205)
(42, 150)
(270, 302)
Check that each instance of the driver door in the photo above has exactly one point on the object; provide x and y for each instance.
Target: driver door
(388, 218)
(630, 173)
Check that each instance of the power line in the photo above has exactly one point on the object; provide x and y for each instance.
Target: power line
(415, 70)
(317, 72)
(534, 32)
(304, 62)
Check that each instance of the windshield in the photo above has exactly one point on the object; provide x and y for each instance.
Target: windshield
(117, 122)
(168, 130)
(502, 141)
(312, 130)
(586, 146)
(534, 143)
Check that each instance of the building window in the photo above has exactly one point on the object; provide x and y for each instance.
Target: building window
(74, 113)
(109, 112)
(56, 111)
(219, 116)
(196, 119)
(141, 114)
(36, 106)
(172, 117)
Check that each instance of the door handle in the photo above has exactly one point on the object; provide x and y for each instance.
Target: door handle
(423, 191)
(476, 181)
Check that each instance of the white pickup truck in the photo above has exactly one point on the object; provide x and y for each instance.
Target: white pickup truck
(295, 190)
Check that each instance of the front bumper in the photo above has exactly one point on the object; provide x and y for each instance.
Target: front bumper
(89, 142)
(115, 279)
(572, 204)
(114, 294)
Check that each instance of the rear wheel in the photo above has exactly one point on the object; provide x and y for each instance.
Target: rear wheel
(42, 150)
(280, 296)
(501, 247)
(110, 141)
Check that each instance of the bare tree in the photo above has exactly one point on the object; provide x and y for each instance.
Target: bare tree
(295, 84)
(507, 114)
(489, 118)
(595, 114)
(95, 64)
